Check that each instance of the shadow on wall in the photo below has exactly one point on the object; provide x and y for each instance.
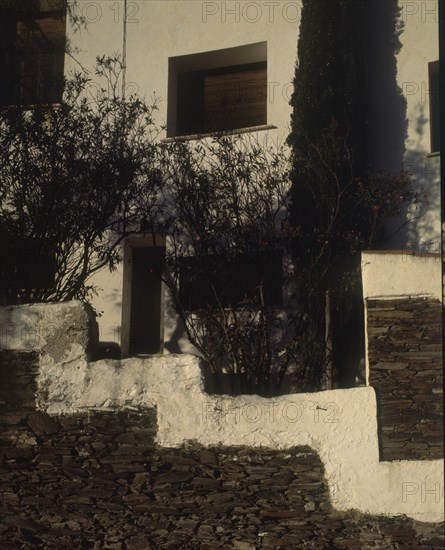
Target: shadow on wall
(173, 344)
(422, 224)
(175, 335)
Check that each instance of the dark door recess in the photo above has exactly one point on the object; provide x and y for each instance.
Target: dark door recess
(146, 289)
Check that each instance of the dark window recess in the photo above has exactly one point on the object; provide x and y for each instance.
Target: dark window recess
(27, 264)
(32, 51)
(223, 99)
(232, 278)
(433, 71)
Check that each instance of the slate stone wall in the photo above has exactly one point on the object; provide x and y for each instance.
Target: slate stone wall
(99, 481)
(405, 365)
(18, 371)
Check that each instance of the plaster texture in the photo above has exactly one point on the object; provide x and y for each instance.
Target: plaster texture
(51, 329)
(419, 46)
(341, 425)
(400, 273)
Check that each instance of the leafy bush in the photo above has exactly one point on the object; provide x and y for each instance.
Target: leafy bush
(74, 177)
(227, 231)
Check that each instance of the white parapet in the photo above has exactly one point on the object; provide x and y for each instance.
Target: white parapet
(341, 425)
(395, 273)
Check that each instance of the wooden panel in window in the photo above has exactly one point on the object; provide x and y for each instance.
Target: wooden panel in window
(235, 100)
(32, 58)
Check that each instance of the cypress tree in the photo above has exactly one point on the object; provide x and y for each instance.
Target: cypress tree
(328, 99)
(328, 86)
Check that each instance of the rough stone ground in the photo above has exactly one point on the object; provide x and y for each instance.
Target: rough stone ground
(99, 481)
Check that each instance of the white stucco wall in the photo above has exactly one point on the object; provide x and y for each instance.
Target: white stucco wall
(159, 29)
(341, 425)
(420, 45)
(401, 273)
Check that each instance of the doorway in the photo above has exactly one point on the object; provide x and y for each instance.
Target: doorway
(142, 307)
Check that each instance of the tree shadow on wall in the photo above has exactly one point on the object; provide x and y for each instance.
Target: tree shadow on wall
(422, 226)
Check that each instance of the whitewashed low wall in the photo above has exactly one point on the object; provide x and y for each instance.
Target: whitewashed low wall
(341, 425)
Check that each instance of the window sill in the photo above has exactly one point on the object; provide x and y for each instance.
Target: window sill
(224, 133)
(433, 155)
(32, 106)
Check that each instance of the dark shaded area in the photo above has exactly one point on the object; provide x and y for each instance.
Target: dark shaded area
(146, 285)
(346, 73)
(221, 383)
(348, 334)
(99, 480)
(25, 263)
(32, 50)
(387, 123)
(18, 372)
(232, 278)
(329, 84)
(107, 350)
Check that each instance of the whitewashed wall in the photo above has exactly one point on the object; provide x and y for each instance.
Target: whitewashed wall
(420, 45)
(341, 425)
(159, 29)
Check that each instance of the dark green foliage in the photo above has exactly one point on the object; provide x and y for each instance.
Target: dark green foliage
(338, 205)
(328, 89)
(329, 77)
(74, 178)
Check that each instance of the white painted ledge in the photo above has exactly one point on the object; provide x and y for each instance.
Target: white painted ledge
(341, 425)
(391, 274)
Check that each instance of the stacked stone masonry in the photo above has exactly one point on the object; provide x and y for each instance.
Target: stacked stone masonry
(98, 480)
(405, 366)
